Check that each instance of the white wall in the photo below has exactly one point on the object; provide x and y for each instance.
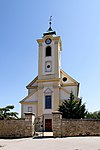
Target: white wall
(71, 89)
(30, 91)
(33, 97)
(34, 108)
(63, 95)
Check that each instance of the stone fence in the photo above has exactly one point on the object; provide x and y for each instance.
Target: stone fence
(61, 127)
(17, 128)
(74, 127)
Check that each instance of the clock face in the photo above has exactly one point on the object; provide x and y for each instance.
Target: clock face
(48, 41)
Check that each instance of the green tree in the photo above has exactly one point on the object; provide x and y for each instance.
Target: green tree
(72, 108)
(5, 113)
(94, 115)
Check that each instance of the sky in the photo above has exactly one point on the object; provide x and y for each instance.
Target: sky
(22, 22)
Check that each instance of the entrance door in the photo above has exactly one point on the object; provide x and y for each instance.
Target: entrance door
(48, 125)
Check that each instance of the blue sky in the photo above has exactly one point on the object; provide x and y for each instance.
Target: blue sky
(22, 22)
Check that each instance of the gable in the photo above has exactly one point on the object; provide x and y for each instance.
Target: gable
(66, 79)
(33, 97)
(47, 91)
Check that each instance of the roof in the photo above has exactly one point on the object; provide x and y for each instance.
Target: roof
(32, 82)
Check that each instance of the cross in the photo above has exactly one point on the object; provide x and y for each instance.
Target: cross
(50, 21)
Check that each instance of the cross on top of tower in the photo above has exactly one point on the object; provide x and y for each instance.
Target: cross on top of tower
(50, 22)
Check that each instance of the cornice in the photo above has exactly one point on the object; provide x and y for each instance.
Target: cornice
(69, 84)
(49, 80)
(32, 87)
(32, 82)
(29, 102)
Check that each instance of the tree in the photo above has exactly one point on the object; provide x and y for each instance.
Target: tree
(94, 115)
(5, 113)
(72, 108)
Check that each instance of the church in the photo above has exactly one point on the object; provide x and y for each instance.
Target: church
(52, 85)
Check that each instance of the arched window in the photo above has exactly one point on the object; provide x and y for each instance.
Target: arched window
(48, 51)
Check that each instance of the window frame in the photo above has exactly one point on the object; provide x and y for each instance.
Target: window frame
(48, 69)
(48, 101)
(30, 107)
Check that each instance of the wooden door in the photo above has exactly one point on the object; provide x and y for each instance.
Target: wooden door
(48, 125)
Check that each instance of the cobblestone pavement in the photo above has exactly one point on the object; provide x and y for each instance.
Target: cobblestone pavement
(69, 143)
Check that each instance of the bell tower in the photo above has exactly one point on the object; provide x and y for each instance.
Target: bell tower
(49, 51)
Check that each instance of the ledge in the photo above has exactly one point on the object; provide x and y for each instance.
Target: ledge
(56, 112)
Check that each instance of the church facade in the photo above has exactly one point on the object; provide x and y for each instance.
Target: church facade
(52, 85)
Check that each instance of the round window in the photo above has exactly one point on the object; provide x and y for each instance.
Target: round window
(64, 79)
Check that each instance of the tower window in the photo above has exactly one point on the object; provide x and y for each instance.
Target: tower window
(48, 51)
(48, 66)
(48, 102)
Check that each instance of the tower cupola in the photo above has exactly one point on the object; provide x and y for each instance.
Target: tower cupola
(50, 31)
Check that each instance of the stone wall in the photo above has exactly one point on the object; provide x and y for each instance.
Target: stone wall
(17, 128)
(74, 127)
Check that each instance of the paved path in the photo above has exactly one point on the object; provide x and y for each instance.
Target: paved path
(70, 143)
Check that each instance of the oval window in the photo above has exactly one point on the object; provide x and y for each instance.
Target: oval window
(48, 66)
(64, 79)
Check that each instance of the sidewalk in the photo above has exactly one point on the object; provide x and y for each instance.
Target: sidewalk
(69, 143)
